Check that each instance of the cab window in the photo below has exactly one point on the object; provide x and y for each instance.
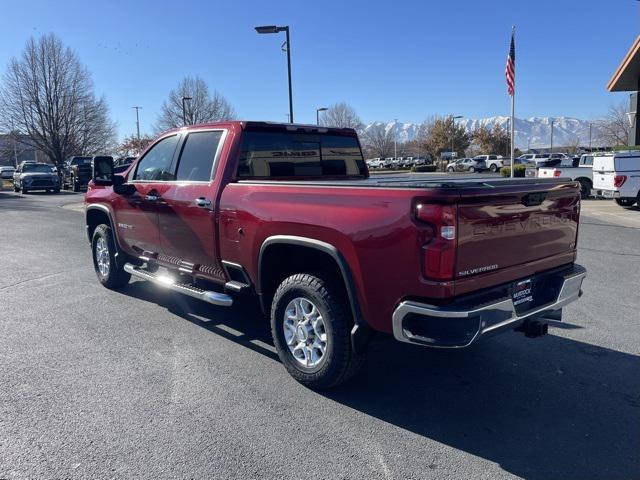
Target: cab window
(156, 164)
(197, 157)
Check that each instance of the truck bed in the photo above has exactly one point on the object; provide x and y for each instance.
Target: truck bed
(418, 181)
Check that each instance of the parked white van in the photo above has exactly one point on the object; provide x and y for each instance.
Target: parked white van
(617, 175)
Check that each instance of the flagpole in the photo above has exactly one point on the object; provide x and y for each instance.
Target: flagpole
(513, 110)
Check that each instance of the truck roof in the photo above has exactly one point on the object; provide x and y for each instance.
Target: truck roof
(621, 153)
(265, 125)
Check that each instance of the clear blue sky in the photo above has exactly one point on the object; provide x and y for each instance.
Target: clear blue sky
(388, 59)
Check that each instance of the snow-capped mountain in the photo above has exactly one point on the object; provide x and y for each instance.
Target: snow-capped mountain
(533, 132)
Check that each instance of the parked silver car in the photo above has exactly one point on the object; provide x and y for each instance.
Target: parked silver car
(35, 176)
(467, 165)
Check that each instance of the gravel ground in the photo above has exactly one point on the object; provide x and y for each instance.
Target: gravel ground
(139, 383)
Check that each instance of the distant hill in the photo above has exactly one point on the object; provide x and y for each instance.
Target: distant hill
(534, 132)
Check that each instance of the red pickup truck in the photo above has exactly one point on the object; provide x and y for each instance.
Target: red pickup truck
(289, 214)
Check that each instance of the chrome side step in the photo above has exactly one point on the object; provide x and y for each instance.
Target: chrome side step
(215, 298)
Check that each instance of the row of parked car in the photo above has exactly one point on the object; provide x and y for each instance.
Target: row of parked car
(74, 174)
(397, 162)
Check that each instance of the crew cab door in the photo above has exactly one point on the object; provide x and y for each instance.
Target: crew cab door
(187, 216)
(136, 215)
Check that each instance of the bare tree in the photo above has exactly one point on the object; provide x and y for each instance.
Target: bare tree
(614, 128)
(48, 95)
(341, 115)
(378, 140)
(203, 107)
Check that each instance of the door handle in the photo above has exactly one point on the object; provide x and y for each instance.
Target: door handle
(152, 198)
(203, 202)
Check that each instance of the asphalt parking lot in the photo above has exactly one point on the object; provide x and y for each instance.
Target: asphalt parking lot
(140, 383)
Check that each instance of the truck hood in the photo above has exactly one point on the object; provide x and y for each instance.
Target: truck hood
(37, 175)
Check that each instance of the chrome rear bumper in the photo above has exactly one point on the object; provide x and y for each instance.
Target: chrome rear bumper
(470, 324)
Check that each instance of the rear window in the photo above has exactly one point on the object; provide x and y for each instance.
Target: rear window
(291, 154)
(81, 161)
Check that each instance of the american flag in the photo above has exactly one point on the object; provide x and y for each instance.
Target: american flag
(510, 70)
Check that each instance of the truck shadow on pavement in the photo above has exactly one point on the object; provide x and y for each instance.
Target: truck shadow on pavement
(546, 408)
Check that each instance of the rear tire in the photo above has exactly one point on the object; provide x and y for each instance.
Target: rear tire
(585, 187)
(103, 249)
(311, 328)
(450, 170)
(472, 170)
(626, 202)
(493, 168)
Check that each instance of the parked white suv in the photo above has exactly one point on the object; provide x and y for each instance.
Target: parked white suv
(617, 175)
(492, 162)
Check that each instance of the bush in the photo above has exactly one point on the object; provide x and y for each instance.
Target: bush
(518, 172)
(424, 168)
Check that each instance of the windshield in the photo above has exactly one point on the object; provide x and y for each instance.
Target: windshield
(37, 168)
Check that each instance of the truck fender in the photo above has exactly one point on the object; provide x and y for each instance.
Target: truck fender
(98, 207)
(361, 332)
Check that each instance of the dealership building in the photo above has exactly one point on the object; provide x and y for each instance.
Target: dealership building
(627, 79)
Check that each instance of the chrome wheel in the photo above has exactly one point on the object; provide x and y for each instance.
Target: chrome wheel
(102, 257)
(304, 332)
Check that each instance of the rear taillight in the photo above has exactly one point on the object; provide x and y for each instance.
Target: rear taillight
(619, 180)
(557, 173)
(439, 253)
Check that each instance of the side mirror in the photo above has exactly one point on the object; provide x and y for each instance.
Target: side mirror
(121, 187)
(102, 170)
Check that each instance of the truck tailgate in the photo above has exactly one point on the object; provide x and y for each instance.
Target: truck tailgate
(546, 172)
(515, 224)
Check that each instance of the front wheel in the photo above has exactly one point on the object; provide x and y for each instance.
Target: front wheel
(103, 248)
(450, 170)
(625, 202)
(472, 169)
(311, 325)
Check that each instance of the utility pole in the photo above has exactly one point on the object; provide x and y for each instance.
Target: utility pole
(184, 110)
(590, 125)
(136, 108)
(551, 149)
(395, 139)
(15, 150)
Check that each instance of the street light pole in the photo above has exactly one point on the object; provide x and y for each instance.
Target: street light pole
(137, 122)
(289, 73)
(453, 131)
(285, 29)
(318, 110)
(184, 110)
